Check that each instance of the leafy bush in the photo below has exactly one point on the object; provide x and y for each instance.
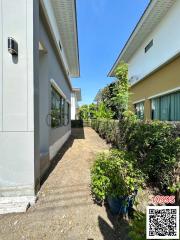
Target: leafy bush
(154, 145)
(114, 174)
(106, 129)
(103, 112)
(87, 112)
(138, 227)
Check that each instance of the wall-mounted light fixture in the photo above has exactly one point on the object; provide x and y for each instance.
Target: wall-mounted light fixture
(12, 46)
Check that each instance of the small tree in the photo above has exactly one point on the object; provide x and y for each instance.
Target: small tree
(92, 110)
(121, 89)
(84, 112)
(103, 113)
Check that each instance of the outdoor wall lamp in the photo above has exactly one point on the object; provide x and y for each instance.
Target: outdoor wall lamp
(12, 46)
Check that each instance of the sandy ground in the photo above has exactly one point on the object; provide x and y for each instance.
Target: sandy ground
(65, 209)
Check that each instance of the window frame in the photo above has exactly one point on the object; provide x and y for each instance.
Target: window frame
(141, 117)
(55, 94)
(63, 112)
(170, 107)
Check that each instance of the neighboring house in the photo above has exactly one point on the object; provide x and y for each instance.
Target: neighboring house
(153, 55)
(75, 98)
(35, 92)
(98, 97)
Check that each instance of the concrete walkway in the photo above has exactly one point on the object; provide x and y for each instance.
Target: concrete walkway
(65, 210)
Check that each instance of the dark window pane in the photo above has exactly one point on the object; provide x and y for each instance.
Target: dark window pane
(149, 46)
(139, 110)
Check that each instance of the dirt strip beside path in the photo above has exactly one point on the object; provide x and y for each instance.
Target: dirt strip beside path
(65, 210)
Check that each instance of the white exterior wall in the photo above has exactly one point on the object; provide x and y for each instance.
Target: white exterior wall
(52, 70)
(73, 106)
(166, 37)
(17, 84)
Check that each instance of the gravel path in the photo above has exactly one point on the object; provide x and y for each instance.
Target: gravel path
(65, 210)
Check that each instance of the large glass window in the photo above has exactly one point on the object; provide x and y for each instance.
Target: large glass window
(66, 114)
(139, 110)
(60, 110)
(166, 108)
(56, 101)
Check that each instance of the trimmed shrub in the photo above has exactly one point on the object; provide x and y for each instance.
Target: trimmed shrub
(154, 144)
(115, 174)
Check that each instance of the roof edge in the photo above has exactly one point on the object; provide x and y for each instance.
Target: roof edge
(77, 39)
(110, 74)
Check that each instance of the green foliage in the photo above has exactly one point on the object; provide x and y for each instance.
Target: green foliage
(121, 89)
(55, 118)
(107, 95)
(102, 112)
(138, 227)
(114, 174)
(84, 112)
(106, 129)
(115, 95)
(153, 144)
(174, 188)
(129, 116)
(87, 112)
(92, 110)
(155, 147)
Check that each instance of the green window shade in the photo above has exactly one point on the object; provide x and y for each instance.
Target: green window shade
(139, 108)
(156, 109)
(175, 107)
(166, 108)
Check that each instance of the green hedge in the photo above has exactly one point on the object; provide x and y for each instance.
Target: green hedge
(107, 129)
(154, 144)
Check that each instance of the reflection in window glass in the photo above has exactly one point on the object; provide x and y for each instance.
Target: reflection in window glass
(60, 110)
(139, 110)
(55, 108)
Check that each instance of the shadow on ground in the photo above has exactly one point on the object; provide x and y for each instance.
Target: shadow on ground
(118, 230)
(76, 133)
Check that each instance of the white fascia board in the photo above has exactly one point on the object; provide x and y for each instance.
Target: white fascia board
(133, 34)
(50, 18)
(77, 92)
(140, 100)
(165, 93)
(143, 28)
(161, 65)
(56, 86)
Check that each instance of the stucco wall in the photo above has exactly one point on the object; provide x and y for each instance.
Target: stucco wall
(17, 78)
(55, 72)
(163, 80)
(166, 37)
(73, 106)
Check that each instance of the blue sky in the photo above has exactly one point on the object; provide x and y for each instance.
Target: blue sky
(103, 28)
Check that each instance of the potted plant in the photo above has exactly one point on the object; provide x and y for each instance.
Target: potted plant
(114, 178)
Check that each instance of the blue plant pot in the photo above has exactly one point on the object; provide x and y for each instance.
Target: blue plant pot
(116, 205)
(121, 205)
